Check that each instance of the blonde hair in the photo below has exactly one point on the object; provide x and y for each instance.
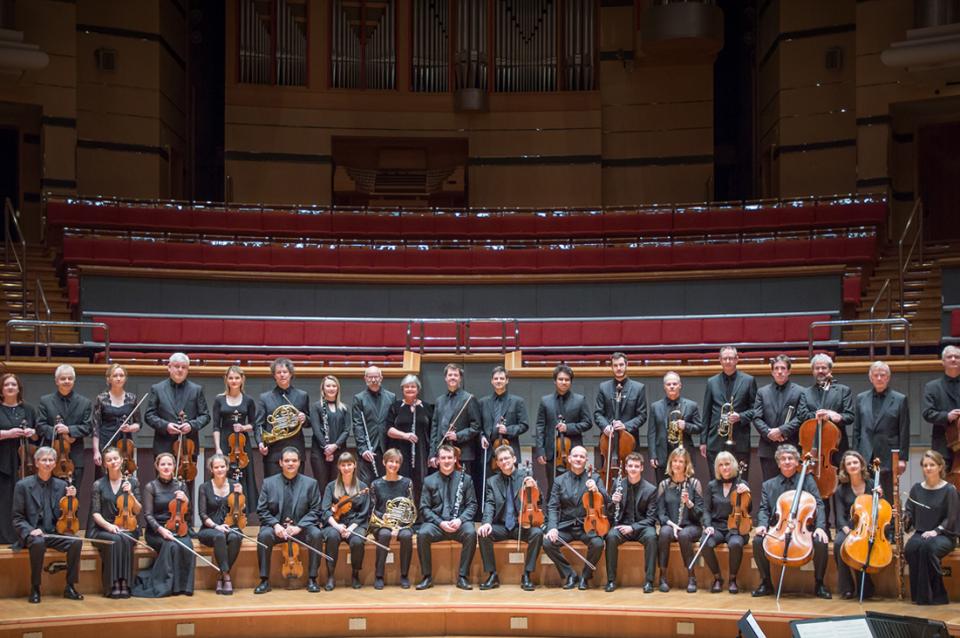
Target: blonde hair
(113, 367)
(725, 456)
(688, 462)
(236, 370)
(323, 397)
(842, 475)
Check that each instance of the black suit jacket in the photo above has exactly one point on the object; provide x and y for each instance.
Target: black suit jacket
(162, 408)
(78, 416)
(657, 446)
(514, 415)
(28, 508)
(306, 495)
(495, 498)
(575, 414)
(744, 392)
(838, 398)
(270, 401)
(940, 396)
(772, 489)
(877, 434)
(770, 411)
(369, 417)
(642, 512)
(466, 425)
(432, 497)
(632, 409)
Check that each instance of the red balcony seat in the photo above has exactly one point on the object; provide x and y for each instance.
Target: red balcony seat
(282, 333)
(161, 330)
(147, 253)
(161, 218)
(797, 328)
(678, 331)
(111, 252)
(620, 258)
(185, 254)
(763, 329)
(687, 255)
(282, 223)
(722, 330)
(654, 256)
(561, 333)
(394, 335)
(220, 257)
(323, 333)
(121, 329)
(78, 250)
(570, 225)
(322, 258)
(313, 223)
(256, 258)
(643, 332)
(600, 333)
(202, 331)
(775, 217)
(530, 334)
(451, 225)
(243, 331)
(720, 254)
(638, 222)
(850, 213)
(417, 225)
(219, 221)
(852, 287)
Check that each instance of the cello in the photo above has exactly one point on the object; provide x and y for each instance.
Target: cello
(821, 438)
(615, 446)
(594, 519)
(790, 543)
(866, 548)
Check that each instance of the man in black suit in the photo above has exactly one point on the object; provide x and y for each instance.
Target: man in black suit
(788, 459)
(283, 394)
(503, 415)
(563, 412)
(773, 413)
(66, 413)
(36, 508)
(882, 423)
(635, 500)
(941, 402)
(289, 507)
(826, 399)
(738, 389)
(369, 417)
(501, 519)
(456, 422)
(686, 415)
(448, 504)
(621, 407)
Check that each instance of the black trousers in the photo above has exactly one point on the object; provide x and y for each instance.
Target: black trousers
(593, 542)
(646, 536)
(847, 579)
(366, 471)
(687, 536)
(820, 556)
(532, 535)
(323, 471)
(311, 535)
(405, 538)
(226, 547)
(37, 546)
(734, 543)
(926, 573)
(430, 534)
(331, 543)
(768, 468)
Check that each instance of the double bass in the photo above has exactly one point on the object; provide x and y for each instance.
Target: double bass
(615, 446)
(866, 548)
(790, 543)
(821, 438)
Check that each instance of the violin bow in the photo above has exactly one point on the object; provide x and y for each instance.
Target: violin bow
(190, 549)
(236, 530)
(703, 543)
(67, 537)
(291, 537)
(369, 540)
(136, 540)
(577, 554)
(124, 422)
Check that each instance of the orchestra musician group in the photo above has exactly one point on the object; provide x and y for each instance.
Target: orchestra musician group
(452, 470)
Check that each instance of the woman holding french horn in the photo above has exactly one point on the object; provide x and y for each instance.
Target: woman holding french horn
(394, 514)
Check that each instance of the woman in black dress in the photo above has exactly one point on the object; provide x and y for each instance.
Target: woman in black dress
(680, 509)
(117, 559)
(16, 425)
(398, 489)
(717, 508)
(234, 411)
(111, 408)
(350, 526)
(172, 571)
(213, 504)
(408, 430)
(329, 422)
(933, 511)
(854, 477)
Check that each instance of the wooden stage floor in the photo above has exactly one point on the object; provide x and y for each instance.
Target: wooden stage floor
(441, 611)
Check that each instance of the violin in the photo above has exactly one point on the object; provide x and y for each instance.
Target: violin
(866, 547)
(128, 452)
(292, 567)
(345, 503)
(530, 513)
(64, 467)
(237, 506)
(790, 543)
(177, 523)
(238, 446)
(497, 442)
(69, 522)
(127, 509)
(183, 450)
(25, 453)
(615, 446)
(595, 520)
(563, 446)
(740, 519)
(821, 437)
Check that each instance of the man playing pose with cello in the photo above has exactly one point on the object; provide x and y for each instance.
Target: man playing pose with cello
(621, 407)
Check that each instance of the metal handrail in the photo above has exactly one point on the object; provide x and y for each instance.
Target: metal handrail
(10, 223)
(41, 297)
(889, 321)
(885, 288)
(916, 216)
(34, 323)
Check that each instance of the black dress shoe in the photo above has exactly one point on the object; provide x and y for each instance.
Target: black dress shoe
(525, 583)
(313, 586)
(263, 587)
(664, 585)
(492, 582)
(692, 585)
(426, 583)
(611, 586)
(733, 588)
(648, 587)
(717, 585)
(765, 589)
(71, 594)
(34, 595)
(571, 582)
(355, 581)
(404, 582)
(822, 592)
(847, 595)
(583, 584)
(463, 583)
(331, 584)
(378, 583)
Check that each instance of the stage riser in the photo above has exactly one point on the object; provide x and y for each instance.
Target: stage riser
(15, 570)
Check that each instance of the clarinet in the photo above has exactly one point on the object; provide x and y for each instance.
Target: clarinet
(680, 488)
(324, 423)
(619, 490)
(457, 502)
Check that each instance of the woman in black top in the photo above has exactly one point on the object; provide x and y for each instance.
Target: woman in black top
(408, 430)
(933, 510)
(112, 408)
(680, 509)
(16, 422)
(389, 487)
(329, 422)
(352, 525)
(117, 559)
(212, 505)
(854, 477)
(172, 571)
(236, 412)
(717, 507)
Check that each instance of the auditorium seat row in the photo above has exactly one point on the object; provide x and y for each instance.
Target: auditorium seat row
(850, 249)
(449, 224)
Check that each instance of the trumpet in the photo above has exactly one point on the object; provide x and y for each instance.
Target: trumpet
(725, 428)
(673, 428)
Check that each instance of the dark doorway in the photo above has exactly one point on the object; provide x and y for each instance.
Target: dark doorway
(9, 169)
(938, 178)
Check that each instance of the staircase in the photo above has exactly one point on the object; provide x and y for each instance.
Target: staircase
(13, 299)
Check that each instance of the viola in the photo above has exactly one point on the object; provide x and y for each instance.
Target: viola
(790, 543)
(177, 523)
(345, 503)
(821, 438)
(184, 449)
(562, 447)
(64, 467)
(237, 506)
(497, 442)
(530, 513)
(128, 452)
(740, 519)
(866, 547)
(127, 509)
(594, 520)
(69, 522)
(292, 567)
(25, 453)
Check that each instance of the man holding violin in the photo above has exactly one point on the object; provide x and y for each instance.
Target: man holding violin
(503, 512)
(621, 402)
(633, 517)
(503, 416)
(36, 508)
(566, 516)
(562, 417)
(772, 511)
(66, 414)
